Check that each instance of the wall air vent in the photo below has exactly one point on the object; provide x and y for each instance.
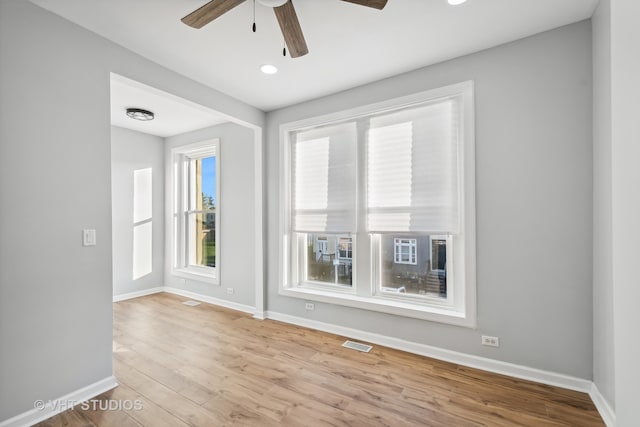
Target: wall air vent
(191, 303)
(357, 346)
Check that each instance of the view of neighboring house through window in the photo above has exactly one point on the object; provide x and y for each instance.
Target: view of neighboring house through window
(392, 183)
(202, 224)
(329, 259)
(418, 267)
(196, 209)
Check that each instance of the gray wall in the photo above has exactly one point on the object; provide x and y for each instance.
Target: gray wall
(237, 213)
(534, 202)
(131, 151)
(55, 180)
(625, 200)
(603, 348)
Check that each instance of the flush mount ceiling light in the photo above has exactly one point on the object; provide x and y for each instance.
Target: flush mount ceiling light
(268, 69)
(140, 114)
(456, 2)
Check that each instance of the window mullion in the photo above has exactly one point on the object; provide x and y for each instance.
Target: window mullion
(363, 278)
(184, 191)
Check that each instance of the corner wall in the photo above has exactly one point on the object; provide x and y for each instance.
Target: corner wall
(55, 180)
(603, 328)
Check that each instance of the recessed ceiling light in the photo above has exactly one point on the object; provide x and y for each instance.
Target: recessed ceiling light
(268, 69)
(140, 114)
(456, 2)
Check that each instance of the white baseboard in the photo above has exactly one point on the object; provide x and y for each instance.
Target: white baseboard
(137, 294)
(491, 365)
(187, 294)
(211, 300)
(603, 407)
(61, 404)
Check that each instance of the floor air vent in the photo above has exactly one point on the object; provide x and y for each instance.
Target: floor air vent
(191, 303)
(357, 346)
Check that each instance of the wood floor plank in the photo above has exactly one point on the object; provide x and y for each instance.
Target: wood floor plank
(212, 366)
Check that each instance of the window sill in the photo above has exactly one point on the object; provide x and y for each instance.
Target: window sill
(196, 276)
(384, 305)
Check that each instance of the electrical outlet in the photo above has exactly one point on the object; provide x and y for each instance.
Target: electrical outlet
(490, 341)
(230, 291)
(309, 306)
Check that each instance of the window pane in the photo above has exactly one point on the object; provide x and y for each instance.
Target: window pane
(205, 183)
(202, 228)
(415, 265)
(329, 258)
(202, 244)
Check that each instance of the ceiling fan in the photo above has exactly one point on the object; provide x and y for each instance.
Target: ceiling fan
(285, 14)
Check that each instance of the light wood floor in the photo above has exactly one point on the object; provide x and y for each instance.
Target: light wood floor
(209, 366)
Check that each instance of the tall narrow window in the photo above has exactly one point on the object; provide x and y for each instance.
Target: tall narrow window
(379, 208)
(196, 210)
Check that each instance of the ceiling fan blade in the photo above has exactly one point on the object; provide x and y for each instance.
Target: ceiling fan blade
(291, 30)
(210, 11)
(376, 4)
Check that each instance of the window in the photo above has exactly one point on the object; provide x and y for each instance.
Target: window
(404, 251)
(380, 209)
(196, 211)
(345, 248)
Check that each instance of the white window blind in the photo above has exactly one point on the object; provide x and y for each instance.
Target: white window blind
(412, 169)
(323, 187)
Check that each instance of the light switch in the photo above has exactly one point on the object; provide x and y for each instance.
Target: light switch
(88, 237)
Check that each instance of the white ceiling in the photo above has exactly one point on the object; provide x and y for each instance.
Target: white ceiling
(349, 45)
(173, 115)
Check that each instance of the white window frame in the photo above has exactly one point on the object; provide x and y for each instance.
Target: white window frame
(412, 245)
(181, 264)
(459, 308)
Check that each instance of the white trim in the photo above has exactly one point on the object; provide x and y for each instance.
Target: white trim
(258, 237)
(461, 296)
(198, 297)
(399, 306)
(491, 365)
(193, 273)
(211, 300)
(181, 204)
(61, 404)
(142, 293)
(603, 406)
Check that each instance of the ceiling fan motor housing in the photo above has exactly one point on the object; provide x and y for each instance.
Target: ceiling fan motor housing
(272, 3)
